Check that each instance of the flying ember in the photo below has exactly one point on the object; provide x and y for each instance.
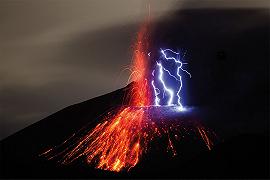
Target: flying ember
(121, 139)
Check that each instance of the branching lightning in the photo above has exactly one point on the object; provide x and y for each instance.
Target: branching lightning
(122, 137)
(156, 91)
(170, 91)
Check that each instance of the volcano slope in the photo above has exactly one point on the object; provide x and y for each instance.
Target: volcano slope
(229, 88)
(235, 154)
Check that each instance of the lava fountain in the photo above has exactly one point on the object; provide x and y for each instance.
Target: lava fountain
(119, 140)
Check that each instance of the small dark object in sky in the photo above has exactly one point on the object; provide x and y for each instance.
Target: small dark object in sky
(221, 55)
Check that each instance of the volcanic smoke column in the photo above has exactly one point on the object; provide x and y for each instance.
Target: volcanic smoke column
(120, 139)
(141, 94)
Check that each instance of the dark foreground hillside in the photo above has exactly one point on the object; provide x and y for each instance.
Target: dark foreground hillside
(236, 155)
(229, 62)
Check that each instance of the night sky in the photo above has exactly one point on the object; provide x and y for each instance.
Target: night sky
(57, 53)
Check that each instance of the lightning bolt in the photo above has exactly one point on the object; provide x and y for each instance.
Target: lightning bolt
(170, 91)
(156, 90)
(177, 61)
(178, 78)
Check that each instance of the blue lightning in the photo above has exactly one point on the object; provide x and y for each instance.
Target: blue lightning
(175, 60)
(170, 91)
(178, 78)
(156, 91)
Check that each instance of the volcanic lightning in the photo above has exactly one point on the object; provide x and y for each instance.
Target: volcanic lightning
(170, 91)
(121, 138)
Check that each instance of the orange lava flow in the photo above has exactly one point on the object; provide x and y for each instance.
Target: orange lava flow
(141, 92)
(118, 142)
(113, 144)
(205, 137)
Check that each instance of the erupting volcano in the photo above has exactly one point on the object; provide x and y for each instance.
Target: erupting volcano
(154, 109)
(186, 75)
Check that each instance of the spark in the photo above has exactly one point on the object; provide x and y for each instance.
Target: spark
(121, 138)
(116, 144)
(119, 142)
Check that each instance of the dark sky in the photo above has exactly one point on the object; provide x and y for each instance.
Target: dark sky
(55, 53)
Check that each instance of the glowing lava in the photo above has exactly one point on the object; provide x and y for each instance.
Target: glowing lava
(141, 94)
(114, 143)
(120, 140)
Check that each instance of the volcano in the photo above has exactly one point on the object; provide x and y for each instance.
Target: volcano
(240, 155)
(228, 94)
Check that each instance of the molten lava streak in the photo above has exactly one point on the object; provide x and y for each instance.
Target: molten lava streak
(118, 142)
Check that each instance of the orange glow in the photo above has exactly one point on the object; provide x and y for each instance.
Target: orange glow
(119, 141)
(115, 144)
(141, 94)
(205, 137)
